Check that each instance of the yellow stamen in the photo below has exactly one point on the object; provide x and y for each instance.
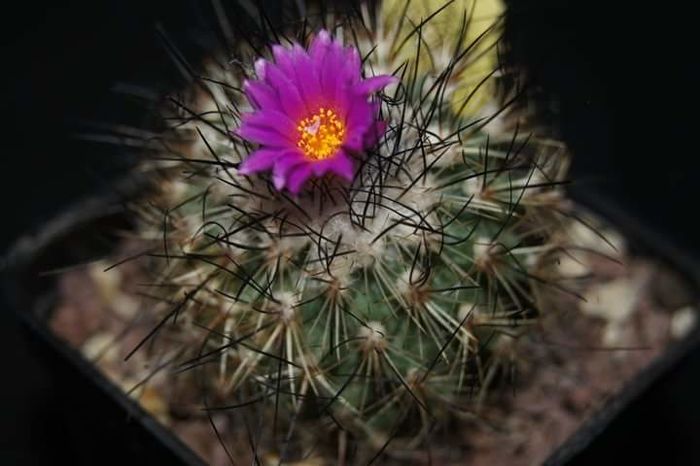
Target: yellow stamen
(321, 134)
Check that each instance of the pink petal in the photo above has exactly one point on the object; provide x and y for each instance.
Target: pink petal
(375, 132)
(320, 45)
(264, 136)
(321, 167)
(260, 65)
(343, 166)
(352, 65)
(374, 84)
(283, 166)
(260, 160)
(260, 94)
(288, 93)
(297, 177)
(283, 59)
(361, 114)
(274, 121)
(329, 71)
(308, 83)
(354, 142)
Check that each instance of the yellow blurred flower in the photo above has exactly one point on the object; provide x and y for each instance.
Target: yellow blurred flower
(467, 24)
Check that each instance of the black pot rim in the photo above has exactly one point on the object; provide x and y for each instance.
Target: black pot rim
(650, 243)
(19, 259)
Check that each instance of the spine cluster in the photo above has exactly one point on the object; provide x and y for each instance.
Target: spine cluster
(377, 309)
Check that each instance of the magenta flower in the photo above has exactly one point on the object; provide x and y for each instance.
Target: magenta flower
(311, 111)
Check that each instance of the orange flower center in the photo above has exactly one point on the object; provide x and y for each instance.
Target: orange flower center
(321, 134)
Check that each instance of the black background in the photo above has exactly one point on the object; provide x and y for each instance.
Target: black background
(625, 82)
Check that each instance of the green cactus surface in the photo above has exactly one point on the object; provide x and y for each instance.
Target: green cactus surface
(377, 309)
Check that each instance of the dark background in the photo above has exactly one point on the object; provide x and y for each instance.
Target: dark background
(624, 85)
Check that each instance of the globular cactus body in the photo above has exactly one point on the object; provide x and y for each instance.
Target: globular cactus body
(376, 306)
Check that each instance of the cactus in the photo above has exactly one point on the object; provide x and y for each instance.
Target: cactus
(373, 305)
